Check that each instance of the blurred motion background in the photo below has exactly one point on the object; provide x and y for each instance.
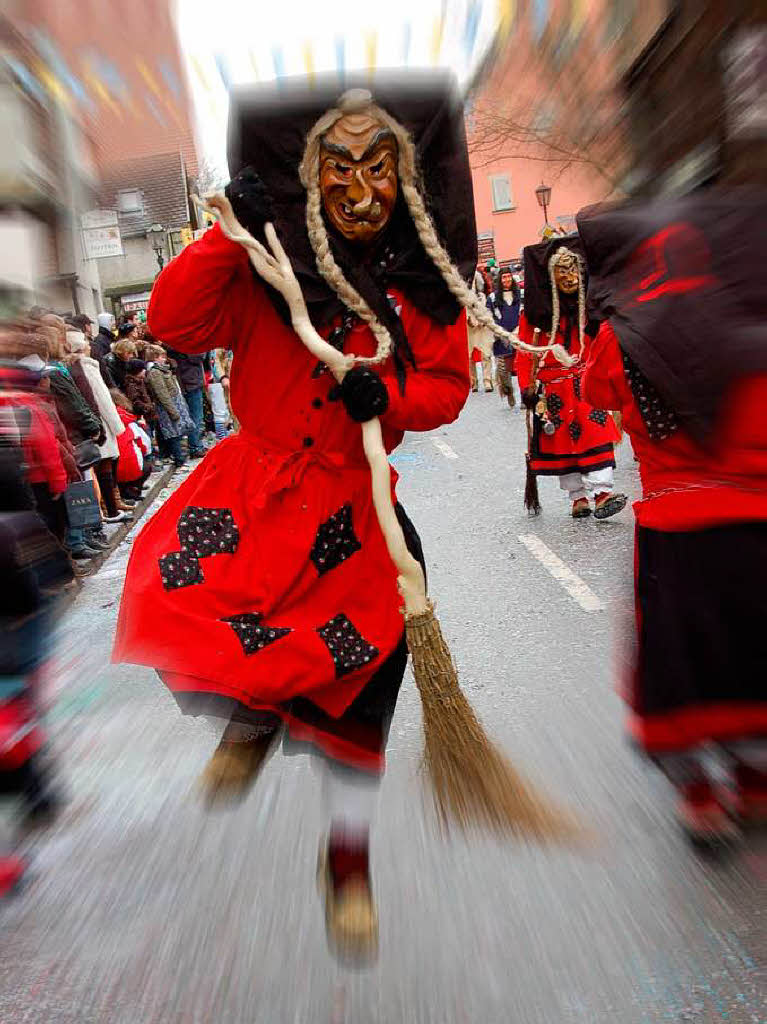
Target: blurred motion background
(113, 113)
(113, 118)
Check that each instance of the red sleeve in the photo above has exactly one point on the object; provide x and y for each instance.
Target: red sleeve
(436, 391)
(204, 297)
(43, 440)
(523, 362)
(604, 382)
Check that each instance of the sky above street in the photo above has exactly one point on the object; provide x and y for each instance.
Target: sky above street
(233, 43)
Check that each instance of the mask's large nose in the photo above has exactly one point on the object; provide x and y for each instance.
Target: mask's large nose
(360, 194)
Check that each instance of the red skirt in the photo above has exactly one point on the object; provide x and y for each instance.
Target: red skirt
(583, 437)
(264, 578)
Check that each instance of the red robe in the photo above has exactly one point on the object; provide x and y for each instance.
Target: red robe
(700, 559)
(685, 486)
(584, 436)
(265, 575)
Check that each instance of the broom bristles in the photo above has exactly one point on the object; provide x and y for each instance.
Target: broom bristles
(532, 501)
(473, 784)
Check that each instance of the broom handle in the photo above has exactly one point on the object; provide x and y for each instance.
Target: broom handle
(410, 581)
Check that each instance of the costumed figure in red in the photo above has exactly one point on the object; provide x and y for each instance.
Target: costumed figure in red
(682, 354)
(263, 591)
(568, 437)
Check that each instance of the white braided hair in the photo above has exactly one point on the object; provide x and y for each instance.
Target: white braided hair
(357, 101)
(570, 258)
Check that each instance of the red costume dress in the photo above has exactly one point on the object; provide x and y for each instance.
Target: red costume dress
(584, 436)
(265, 578)
(701, 560)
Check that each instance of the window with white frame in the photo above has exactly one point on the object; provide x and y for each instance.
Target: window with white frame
(130, 201)
(500, 185)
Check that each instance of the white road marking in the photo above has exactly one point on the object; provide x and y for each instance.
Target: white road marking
(444, 447)
(574, 585)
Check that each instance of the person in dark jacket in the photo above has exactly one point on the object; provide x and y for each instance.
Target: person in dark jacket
(101, 345)
(136, 391)
(504, 304)
(116, 360)
(79, 420)
(191, 376)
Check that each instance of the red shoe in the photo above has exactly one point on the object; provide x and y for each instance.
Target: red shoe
(606, 505)
(11, 872)
(581, 508)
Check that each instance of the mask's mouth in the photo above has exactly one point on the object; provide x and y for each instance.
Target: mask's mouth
(568, 287)
(370, 215)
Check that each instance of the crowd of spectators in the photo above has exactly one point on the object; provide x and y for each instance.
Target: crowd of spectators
(87, 412)
(106, 403)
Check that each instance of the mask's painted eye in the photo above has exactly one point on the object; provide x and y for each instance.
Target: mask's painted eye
(377, 168)
(344, 170)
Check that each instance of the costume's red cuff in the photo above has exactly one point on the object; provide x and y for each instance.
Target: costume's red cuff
(216, 241)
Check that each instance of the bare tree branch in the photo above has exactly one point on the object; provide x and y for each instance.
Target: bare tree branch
(572, 122)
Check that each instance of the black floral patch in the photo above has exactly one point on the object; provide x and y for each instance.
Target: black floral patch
(598, 416)
(577, 387)
(207, 531)
(659, 419)
(348, 649)
(254, 636)
(180, 569)
(201, 532)
(555, 405)
(575, 430)
(335, 541)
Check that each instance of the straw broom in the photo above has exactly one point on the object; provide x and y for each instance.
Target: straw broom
(472, 782)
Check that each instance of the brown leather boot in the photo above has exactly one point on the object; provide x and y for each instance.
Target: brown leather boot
(235, 766)
(351, 918)
(122, 506)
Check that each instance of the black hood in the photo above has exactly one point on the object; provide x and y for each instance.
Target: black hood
(268, 126)
(538, 305)
(682, 281)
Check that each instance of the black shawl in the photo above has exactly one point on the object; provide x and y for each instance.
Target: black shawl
(538, 299)
(682, 281)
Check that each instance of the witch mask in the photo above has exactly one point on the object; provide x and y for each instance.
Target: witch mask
(358, 176)
(565, 268)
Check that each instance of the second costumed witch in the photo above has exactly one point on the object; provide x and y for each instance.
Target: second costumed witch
(263, 591)
(568, 438)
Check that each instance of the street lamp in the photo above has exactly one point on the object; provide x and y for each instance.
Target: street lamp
(543, 195)
(157, 233)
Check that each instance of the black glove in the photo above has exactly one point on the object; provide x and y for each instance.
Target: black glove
(529, 398)
(364, 394)
(250, 201)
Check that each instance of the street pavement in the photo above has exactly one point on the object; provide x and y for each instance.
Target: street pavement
(144, 909)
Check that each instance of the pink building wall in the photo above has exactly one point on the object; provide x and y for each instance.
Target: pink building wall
(513, 229)
(570, 66)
